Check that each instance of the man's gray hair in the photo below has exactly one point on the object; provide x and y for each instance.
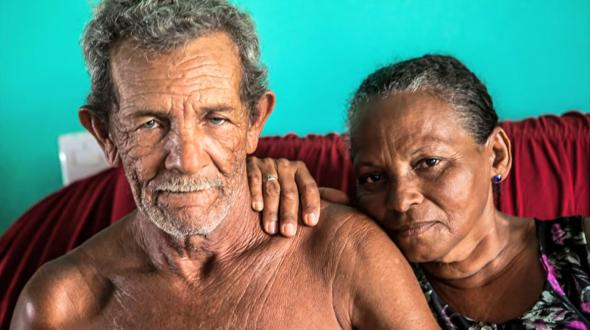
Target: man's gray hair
(160, 26)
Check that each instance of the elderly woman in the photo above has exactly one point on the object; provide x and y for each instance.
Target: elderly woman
(427, 152)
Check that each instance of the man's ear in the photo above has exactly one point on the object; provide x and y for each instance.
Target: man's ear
(501, 152)
(99, 130)
(266, 104)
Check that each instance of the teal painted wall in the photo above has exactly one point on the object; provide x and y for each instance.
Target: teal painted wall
(533, 55)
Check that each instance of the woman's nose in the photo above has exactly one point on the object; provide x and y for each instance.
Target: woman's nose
(403, 194)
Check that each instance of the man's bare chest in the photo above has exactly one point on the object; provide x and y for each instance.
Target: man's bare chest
(242, 300)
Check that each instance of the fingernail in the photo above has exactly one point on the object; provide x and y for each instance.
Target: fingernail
(257, 206)
(289, 229)
(271, 228)
(312, 219)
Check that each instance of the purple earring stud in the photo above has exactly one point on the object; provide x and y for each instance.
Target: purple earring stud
(497, 178)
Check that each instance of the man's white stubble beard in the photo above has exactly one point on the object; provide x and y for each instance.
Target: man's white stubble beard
(181, 227)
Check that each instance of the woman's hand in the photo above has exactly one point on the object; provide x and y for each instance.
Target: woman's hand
(276, 186)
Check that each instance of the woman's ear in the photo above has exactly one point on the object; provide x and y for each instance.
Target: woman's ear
(265, 105)
(99, 130)
(501, 153)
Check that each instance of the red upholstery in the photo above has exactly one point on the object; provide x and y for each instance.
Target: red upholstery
(551, 168)
(550, 177)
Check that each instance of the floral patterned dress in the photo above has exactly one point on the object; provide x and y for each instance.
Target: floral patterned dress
(565, 300)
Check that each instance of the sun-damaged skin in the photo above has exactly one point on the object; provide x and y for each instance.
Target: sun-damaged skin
(345, 273)
(423, 177)
(193, 255)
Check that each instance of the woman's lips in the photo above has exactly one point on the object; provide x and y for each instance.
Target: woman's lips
(414, 229)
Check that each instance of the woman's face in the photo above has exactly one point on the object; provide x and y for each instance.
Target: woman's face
(422, 176)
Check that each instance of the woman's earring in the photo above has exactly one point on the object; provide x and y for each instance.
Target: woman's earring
(497, 178)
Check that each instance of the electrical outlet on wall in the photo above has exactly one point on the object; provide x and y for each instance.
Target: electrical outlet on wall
(80, 156)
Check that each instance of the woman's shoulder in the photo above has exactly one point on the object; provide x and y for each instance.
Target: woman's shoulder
(558, 233)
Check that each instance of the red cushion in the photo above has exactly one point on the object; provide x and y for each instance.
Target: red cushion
(550, 174)
(550, 177)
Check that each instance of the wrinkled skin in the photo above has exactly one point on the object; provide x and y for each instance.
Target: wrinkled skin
(193, 255)
(426, 181)
(171, 116)
(423, 177)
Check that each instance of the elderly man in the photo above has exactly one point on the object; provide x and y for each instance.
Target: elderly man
(179, 99)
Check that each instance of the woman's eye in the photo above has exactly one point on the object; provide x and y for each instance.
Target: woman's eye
(150, 124)
(370, 179)
(217, 121)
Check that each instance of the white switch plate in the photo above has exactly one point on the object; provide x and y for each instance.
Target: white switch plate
(80, 156)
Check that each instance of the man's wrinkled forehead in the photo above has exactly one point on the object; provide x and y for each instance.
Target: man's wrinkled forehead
(210, 61)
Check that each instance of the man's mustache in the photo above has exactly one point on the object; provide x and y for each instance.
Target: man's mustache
(175, 183)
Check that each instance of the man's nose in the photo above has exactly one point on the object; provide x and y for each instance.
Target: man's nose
(403, 194)
(185, 152)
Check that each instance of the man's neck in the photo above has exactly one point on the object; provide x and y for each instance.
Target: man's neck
(191, 256)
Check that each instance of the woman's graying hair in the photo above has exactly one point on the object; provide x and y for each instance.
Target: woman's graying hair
(442, 76)
(159, 26)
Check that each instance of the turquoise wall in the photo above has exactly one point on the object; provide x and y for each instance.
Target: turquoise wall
(533, 55)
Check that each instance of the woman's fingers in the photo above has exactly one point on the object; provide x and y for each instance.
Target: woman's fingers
(255, 183)
(289, 201)
(310, 195)
(278, 188)
(271, 190)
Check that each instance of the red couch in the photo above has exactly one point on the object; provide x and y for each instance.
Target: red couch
(550, 177)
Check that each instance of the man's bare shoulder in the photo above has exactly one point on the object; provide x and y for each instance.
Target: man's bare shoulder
(71, 288)
(355, 238)
(60, 294)
(372, 283)
(342, 226)
(346, 238)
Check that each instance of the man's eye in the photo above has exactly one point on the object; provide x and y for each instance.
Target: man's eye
(150, 124)
(428, 163)
(217, 121)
